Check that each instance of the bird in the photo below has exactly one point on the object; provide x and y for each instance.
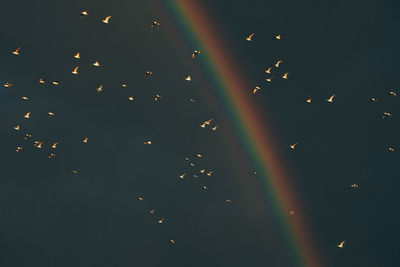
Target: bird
(374, 99)
(308, 100)
(199, 155)
(386, 115)
(330, 99)
(152, 211)
(52, 155)
(172, 242)
(291, 212)
(25, 98)
(293, 146)
(74, 171)
(204, 187)
(77, 55)
(155, 24)
(147, 142)
(96, 64)
(54, 145)
(269, 79)
(392, 93)
(84, 13)
(161, 220)
(157, 97)
(210, 173)
(195, 53)
(214, 128)
(148, 73)
(41, 80)
(140, 198)
(249, 38)
(256, 89)
(27, 115)
(202, 171)
(268, 70)
(27, 136)
(8, 84)
(285, 75)
(228, 201)
(19, 148)
(209, 121)
(51, 114)
(106, 20)
(203, 125)
(38, 144)
(182, 175)
(391, 149)
(55, 82)
(85, 140)
(278, 37)
(188, 78)
(100, 88)
(124, 85)
(17, 128)
(131, 98)
(354, 185)
(75, 71)
(16, 51)
(341, 244)
(278, 63)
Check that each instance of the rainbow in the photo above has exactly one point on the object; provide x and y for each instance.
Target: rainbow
(251, 131)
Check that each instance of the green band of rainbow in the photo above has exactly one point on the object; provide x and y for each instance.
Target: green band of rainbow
(250, 127)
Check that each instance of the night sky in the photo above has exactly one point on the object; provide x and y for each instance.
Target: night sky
(51, 216)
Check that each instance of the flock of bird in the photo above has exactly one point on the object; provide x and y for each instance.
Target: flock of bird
(330, 99)
(194, 169)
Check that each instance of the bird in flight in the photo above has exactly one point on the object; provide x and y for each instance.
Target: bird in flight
(386, 115)
(77, 55)
(268, 70)
(354, 186)
(96, 64)
(293, 146)
(155, 24)
(100, 88)
(249, 38)
(278, 37)
(16, 51)
(85, 140)
(188, 78)
(75, 71)
(195, 53)
(84, 13)
(278, 63)
(341, 244)
(330, 99)
(27, 115)
(106, 20)
(285, 75)
(308, 100)
(256, 89)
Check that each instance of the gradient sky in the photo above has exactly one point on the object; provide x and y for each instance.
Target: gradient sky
(51, 217)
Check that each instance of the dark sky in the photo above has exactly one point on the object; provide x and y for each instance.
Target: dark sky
(52, 217)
